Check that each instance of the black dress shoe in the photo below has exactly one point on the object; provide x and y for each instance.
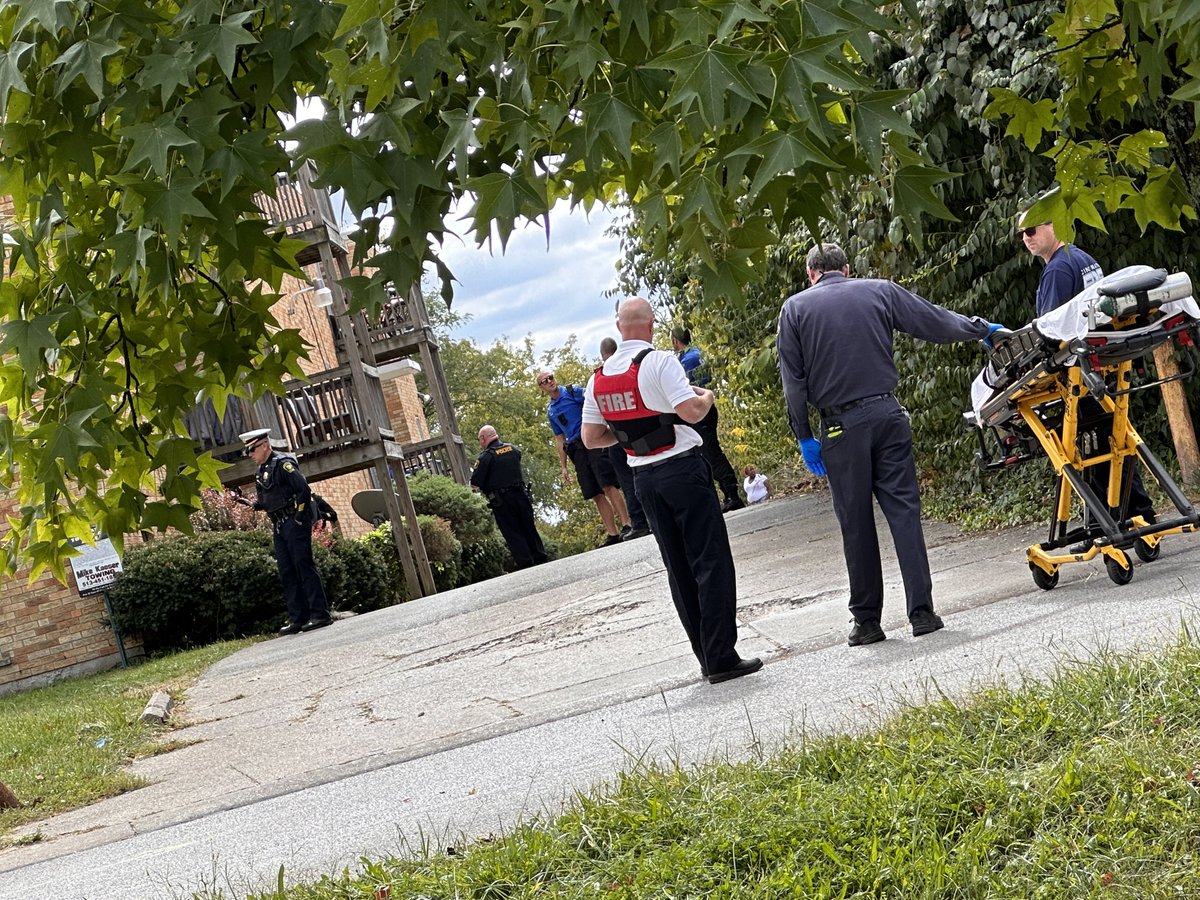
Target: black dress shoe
(291, 628)
(317, 623)
(743, 667)
(925, 621)
(634, 533)
(865, 633)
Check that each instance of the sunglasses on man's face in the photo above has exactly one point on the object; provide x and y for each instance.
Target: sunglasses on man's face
(542, 382)
(249, 451)
(1031, 230)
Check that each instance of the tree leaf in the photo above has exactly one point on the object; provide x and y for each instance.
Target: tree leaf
(169, 205)
(86, 59)
(29, 340)
(221, 40)
(704, 76)
(152, 142)
(10, 72)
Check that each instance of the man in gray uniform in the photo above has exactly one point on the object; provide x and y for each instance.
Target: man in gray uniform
(835, 354)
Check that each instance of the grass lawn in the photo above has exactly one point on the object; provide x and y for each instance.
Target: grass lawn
(67, 745)
(1082, 787)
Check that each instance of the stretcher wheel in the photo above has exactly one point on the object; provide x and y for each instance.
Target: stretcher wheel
(1145, 552)
(1117, 572)
(1041, 579)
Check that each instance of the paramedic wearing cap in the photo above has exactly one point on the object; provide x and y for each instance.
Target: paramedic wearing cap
(835, 354)
(641, 398)
(286, 498)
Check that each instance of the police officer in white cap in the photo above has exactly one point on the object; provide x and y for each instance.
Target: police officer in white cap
(286, 498)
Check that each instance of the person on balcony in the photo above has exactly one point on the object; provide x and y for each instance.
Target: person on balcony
(284, 495)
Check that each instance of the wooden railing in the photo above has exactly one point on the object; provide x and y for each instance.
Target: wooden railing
(432, 456)
(392, 326)
(317, 415)
(296, 204)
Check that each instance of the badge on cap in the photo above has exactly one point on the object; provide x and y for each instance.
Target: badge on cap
(253, 437)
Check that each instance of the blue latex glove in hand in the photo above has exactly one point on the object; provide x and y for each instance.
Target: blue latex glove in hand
(992, 329)
(810, 449)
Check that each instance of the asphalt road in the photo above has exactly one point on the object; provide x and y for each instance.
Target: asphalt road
(458, 715)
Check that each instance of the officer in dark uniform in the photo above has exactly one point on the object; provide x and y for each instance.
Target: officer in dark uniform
(286, 498)
(498, 477)
(835, 353)
(642, 399)
(697, 373)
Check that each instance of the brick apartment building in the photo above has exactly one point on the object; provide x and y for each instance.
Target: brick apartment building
(48, 630)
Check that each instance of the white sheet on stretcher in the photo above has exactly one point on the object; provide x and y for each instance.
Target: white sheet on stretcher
(1074, 320)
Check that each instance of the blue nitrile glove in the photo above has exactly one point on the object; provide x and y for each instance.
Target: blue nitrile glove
(992, 329)
(810, 449)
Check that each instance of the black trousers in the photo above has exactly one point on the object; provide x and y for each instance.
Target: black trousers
(514, 518)
(685, 516)
(722, 471)
(868, 454)
(620, 464)
(1094, 418)
(302, 589)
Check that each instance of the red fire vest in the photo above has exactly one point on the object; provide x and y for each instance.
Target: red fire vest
(640, 430)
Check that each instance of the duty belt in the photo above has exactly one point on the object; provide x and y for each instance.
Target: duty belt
(829, 412)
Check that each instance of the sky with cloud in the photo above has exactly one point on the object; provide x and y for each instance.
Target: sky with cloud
(548, 292)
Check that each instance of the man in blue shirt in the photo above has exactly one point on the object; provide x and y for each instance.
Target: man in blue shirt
(598, 480)
(698, 375)
(1068, 271)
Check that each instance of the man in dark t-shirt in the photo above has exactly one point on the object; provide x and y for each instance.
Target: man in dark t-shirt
(1068, 271)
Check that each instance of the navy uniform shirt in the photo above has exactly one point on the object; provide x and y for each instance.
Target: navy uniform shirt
(498, 467)
(1067, 273)
(835, 340)
(281, 487)
(565, 413)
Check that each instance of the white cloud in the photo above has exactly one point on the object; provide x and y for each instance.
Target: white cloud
(549, 293)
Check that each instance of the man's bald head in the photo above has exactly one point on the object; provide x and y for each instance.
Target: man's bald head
(635, 319)
(607, 348)
(487, 434)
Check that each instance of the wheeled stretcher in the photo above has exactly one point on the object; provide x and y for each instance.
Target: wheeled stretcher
(1032, 395)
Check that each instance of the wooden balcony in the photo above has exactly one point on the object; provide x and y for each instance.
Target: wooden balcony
(323, 422)
(304, 212)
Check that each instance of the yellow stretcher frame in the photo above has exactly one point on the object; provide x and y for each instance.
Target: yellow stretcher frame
(1112, 535)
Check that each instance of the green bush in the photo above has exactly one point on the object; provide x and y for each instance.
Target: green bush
(368, 579)
(483, 560)
(466, 511)
(384, 548)
(443, 549)
(193, 590)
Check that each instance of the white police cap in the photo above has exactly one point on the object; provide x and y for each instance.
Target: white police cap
(253, 437)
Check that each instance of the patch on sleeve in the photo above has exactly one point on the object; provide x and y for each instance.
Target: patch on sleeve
(288, 467)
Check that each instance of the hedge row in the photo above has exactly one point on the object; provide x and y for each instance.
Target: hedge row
(216, 585)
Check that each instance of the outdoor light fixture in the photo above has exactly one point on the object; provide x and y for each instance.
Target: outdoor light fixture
(323, 299)
(398, 368)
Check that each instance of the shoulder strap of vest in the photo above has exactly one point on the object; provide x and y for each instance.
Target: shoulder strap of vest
(637, 360)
